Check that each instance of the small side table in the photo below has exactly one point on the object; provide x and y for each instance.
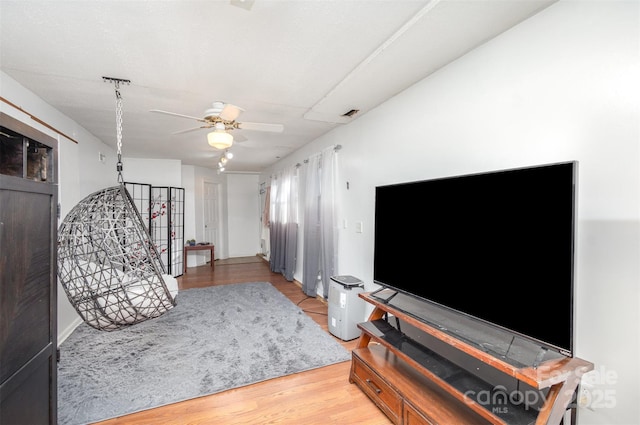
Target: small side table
(188, 248)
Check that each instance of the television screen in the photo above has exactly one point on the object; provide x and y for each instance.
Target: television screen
(496, 246)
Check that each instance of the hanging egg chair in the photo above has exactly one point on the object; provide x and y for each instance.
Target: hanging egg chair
(107, 264)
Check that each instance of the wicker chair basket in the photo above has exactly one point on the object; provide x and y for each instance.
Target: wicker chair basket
(107, 264)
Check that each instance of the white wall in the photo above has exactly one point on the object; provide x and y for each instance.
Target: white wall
(156, 172)
(188, 182)
(564, 85)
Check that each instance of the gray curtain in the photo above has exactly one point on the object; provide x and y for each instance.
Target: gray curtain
(283, 222)
(320, 231)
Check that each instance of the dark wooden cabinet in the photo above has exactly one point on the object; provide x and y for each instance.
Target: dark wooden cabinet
(28, 223)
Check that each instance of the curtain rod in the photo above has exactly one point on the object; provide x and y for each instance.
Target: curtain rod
(306, 161)
(336, 148)
(36, 119)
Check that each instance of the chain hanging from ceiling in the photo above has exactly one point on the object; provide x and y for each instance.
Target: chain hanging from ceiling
(108, 266)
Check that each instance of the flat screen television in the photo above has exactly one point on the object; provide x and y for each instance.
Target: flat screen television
(495, 246)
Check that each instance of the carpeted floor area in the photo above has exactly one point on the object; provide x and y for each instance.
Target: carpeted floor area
(216, 338)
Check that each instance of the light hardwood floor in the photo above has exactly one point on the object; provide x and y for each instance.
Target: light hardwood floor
(316, 397)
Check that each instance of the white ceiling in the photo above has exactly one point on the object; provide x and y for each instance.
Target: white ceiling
(300, 63)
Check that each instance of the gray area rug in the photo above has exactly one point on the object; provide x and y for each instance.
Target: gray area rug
(215, 339)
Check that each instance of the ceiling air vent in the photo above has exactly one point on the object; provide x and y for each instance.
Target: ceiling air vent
(351, 113)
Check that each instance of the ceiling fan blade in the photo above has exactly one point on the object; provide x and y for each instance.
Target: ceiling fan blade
(260, 126)
(177, 115)
(192, 129)
(230, 112)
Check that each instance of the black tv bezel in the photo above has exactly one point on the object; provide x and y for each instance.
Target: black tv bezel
(544, 345)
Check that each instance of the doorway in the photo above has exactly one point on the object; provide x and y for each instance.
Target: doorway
(211, 220)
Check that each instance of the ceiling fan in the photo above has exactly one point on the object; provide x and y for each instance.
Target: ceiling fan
(221, 117)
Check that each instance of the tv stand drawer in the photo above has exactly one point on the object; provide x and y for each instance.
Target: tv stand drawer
(384, 396)
(412, 416)
(406, 396)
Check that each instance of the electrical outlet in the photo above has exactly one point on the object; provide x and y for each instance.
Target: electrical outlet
(586, 396)
(102, 157)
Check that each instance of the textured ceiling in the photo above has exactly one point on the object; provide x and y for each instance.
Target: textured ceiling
(298, 63)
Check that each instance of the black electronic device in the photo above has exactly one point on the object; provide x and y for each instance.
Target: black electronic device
(495, 246)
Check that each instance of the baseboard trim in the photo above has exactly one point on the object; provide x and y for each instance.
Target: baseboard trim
(318, 297)
(68, 330)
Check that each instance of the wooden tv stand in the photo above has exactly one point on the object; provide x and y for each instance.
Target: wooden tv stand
(414, 385)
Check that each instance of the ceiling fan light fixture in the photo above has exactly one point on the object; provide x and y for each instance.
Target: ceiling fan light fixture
(220, 139)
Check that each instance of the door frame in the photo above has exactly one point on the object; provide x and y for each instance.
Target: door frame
(220, 247)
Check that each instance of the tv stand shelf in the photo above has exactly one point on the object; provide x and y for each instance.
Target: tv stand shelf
(413, 384)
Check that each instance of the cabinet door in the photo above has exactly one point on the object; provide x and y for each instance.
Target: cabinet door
(27, 300)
